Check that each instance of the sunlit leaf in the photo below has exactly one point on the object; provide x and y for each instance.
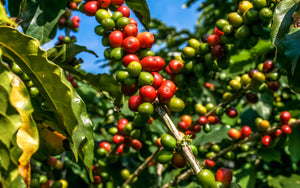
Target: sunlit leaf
(141, 10)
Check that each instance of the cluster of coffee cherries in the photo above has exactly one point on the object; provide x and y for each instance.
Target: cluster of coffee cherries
(186, 125)
(169, 151)
(33, 91)
(69, 23)
(98, 169)
(222, 178)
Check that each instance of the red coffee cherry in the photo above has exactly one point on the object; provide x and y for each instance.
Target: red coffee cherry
(183, 125)
(91, 7)
(169, 71)
(169, 84)
(273, 85)
(164, 94)
(209, 163)
(213, 40)
(133, 21)
(117, 2)
(197, 128)
(224, 175)
(234, 134)
(131, 44)
(123, 121)
(129, 58)
(202, 120)
(268, 66)
(97, 180)
(130, 30)
(158, 79)
(116, 39)
(104, 3)
(285, 117)
(176, 66)
(120, 149)
(218, 32)
(286, 129)
(105, 145)
(120, 128)
(245, 131)
(134, 102)
(124, 10)
(266, 140)
(72, 5)
(191, 133)
(146, 39)
(231, 112)
(118, 139)
(152, 63)
(276, 133)
(148, 93)
(136, 144)
(212, 120)
(178, 160)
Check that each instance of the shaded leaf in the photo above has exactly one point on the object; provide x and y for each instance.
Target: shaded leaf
(4, 157)
(204, 138)
(141, 10)
(246, 175)
(66, 52)
(14, 7)
(27, 135)
(293, 144)
(40, 18)
(284, 181)
(61, 98)
(269, 155)
(264, 106)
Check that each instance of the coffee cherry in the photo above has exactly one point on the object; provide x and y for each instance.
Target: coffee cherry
(231, 112)
(224, 175)
(108, 24)
(235, 85)
(202, 120)
(245, 131)
(277, 133)
(183, 126)
(157, 79)
(152, 63)
(131, 44)
(197, 128)
(120, 149)
(187, 119)
(206, 178)
(252, 97)
(105, 145)
(124, 10)
(235, 19)
(118, 139)
(136, 144)
(209, 163)
(178, 160)
(245, 147)
(116, 39)
(146, 39)
(200, 109)
(266, 140)
(265, 14)
(134, 68)
(97, 180)
(234, 134)
(258, 76)
(117, 2)
(285, 116)
(242, 33)
(146, 109)
(129, 90)
(148, 93)
(134, 102)
(217, 51)
(129, 58)
(91, 7)
(244, 6)
(164, 156)
(133, 21)
(130, 30)
(259, 4)
(268, 66)
(122, 22)
(104, 3)
(286, 129)
(213, 40)
(145, 78)
(263, 125)
(176, 104)
(164, 94)
(176, 66)
(273, 85)
(52, 161)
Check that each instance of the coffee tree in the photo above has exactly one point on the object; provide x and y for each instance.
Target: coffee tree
(215, 108)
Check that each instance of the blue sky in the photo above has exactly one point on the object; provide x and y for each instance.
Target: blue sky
(169, 11)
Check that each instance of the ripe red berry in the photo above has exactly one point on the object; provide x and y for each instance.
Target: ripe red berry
(209, 163)
(136, 144)
(152, 63)
(148, 93)
(245, 131)
(191, 133)
(276, 133)
(213, 40)
(117, 2)
(224, 175)
(120, 149)
(211, 120)
(218, 32)
(146, 39)
(133, 21)
(202, 120)
(130, 30)
(268, 66)
(61, 38)
(178, 160)
(285, 117)
(176, 66)
(124, 10)
(73, 5)
(217, 51)
(104, 3)
(266, 140)
(164, 94)
(116, 39)
(234, 134)
(158, 79)
(169, 84)
(97, 180)
(273, 85)
(105, 145)
(91, 7)
(118, 139)
(129, 58)
(75, 19)
(231, 112)
(120, 128)
(123, 121)
(197, 128)
(134, 102)
(286, 129)
(183, 125)
(131, 44)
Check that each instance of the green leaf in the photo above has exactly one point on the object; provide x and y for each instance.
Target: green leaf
(40, 18)
(246, 176)
(292, 49)
(293, 143)
(141, 10)
(264, 106)
(61, 98)
(204, 138)
(4, 156)
(66, 52)
(269, 155)
(284, 181)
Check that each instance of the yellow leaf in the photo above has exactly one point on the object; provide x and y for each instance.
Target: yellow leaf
(27, 135)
